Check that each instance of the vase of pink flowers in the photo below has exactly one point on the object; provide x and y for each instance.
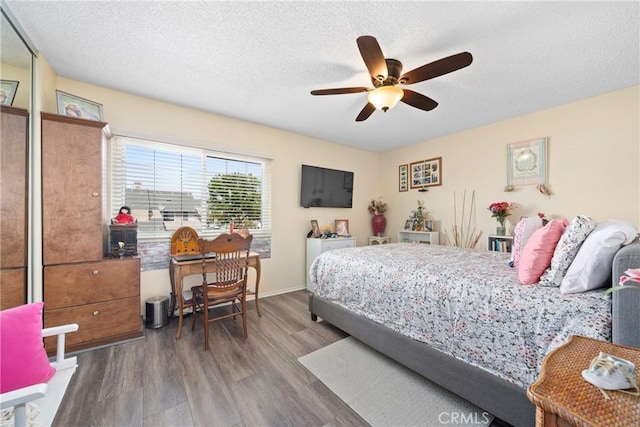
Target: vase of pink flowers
(500, 211)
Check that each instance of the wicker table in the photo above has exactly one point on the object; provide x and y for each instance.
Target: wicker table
(563, 398)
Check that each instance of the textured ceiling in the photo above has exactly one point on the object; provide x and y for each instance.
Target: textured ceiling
(258, 61)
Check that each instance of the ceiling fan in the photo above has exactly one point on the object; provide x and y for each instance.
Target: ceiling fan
(385, 76)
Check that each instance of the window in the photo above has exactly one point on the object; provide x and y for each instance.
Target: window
(168, 186)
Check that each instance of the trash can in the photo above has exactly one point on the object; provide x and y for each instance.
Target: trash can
(157, 312)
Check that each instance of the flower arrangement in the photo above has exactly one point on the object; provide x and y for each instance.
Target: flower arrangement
(377, 206)
(632, 275)
(500, 211)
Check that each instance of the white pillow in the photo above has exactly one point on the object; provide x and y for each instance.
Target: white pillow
(524, 229)
(592, 265)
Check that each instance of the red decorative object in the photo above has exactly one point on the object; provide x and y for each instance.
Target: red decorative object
(378, 223)
(124, 216)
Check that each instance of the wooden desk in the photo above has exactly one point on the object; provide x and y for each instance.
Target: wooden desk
(563, 398)
(182, 266)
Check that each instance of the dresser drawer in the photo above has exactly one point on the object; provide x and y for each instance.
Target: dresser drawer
(95, 321)
(338, 243)
(13, 291)
(85, 283)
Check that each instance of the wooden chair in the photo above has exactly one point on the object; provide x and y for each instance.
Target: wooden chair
(229, 284)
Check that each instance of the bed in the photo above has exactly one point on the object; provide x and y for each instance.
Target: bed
(460, 317)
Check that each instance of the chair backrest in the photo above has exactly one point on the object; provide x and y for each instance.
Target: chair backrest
(231, 252)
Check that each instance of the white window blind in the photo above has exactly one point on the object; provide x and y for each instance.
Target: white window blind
(168, 186)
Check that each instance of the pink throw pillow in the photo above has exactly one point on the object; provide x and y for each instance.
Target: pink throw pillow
(23, 360)
(537, 253)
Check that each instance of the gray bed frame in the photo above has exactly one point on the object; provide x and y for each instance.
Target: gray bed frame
(497, 396)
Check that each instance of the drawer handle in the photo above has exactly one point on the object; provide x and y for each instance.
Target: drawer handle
(95, 313)
(95, 272)
(95, 194)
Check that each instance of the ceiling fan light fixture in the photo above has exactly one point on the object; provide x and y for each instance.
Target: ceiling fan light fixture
(385, 97)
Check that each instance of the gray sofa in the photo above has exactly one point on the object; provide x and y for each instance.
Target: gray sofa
(499, 397)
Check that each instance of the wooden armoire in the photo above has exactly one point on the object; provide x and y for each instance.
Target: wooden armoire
(14, 132)
(81, 284)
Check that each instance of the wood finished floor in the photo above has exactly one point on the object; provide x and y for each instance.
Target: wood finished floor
(161, 381)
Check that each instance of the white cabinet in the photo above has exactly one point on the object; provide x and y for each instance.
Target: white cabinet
(317, 246)
(432, 237)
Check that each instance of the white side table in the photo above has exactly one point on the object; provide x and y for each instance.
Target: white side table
(375, 240)
(431, 237)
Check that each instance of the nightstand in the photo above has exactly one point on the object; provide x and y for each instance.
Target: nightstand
(375, 240)
(562, 397)
(315, 247)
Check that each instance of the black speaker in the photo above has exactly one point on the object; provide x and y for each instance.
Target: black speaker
(310, 233)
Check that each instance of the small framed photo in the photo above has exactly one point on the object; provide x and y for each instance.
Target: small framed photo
(8, 89)
(342, 227)
(428, 225)
(74, 106)
(315, 228)
(403, 178)
(408, 225)
(426, 173)
(527, 162)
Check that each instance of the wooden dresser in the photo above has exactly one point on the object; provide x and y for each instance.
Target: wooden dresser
(14, 125)
(81, 286)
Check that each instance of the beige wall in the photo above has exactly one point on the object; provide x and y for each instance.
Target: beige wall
(285, 270)
(593, 152)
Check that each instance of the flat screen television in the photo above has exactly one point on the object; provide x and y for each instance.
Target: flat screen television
(325, 188)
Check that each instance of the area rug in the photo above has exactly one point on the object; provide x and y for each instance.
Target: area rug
(385, 393)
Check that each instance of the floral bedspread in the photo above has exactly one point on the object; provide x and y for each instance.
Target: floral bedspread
(466, 303)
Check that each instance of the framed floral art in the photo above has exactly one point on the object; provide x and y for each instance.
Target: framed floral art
(527, 162)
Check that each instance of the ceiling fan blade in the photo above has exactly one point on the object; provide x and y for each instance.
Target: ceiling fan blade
(340, 91)
(373, 57)
(366, 112)
(418, 100)
(437, 68)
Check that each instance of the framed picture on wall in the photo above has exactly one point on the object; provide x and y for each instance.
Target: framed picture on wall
(8, 89)
(74, 106)
(403, 178)
(426, 173)
(342, 227)
(527, 162)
